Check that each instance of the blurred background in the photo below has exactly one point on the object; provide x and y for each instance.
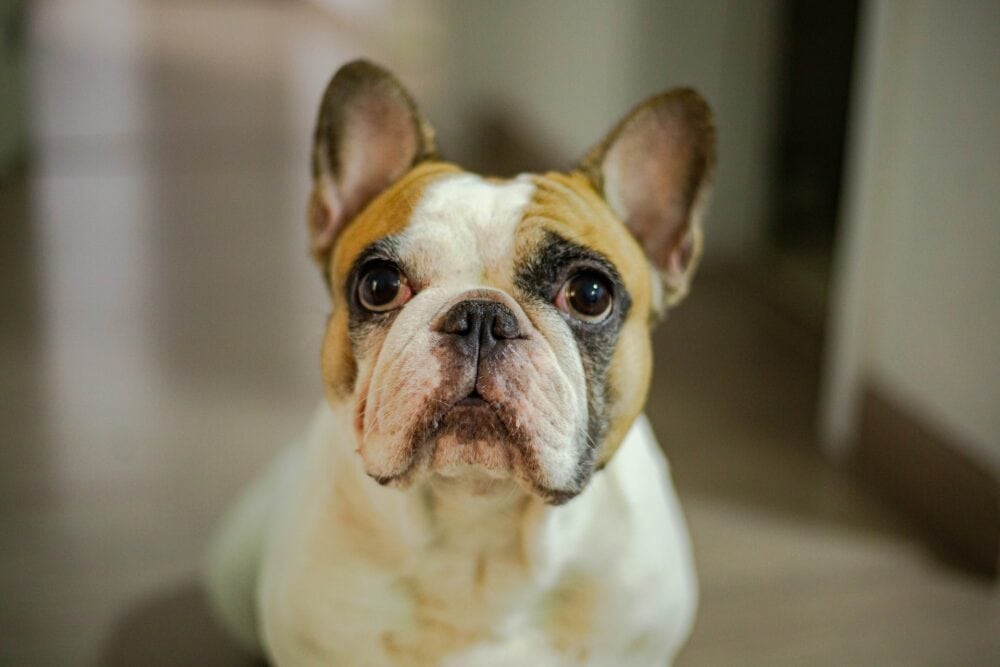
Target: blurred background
(829, 394)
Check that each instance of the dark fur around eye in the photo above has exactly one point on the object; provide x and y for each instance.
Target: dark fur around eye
(556, 261)
(361, 320)
(539, 278)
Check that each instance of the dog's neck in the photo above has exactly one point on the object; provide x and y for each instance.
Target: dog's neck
(501, 518)
(462, 515)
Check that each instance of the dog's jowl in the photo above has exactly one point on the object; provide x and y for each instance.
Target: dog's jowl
(479, 486)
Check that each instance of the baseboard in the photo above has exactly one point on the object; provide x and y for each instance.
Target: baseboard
(952, 499)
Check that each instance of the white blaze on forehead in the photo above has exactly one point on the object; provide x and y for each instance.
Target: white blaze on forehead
(463, 227)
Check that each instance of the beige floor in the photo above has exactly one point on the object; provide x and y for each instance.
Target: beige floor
(159, 332)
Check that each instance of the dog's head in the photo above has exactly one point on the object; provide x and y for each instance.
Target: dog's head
(487, 329)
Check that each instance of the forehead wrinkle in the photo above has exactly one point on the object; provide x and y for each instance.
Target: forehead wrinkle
(462, 230)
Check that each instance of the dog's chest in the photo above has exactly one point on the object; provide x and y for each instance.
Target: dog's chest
(470, 585)
(458, 598)
(443, 605)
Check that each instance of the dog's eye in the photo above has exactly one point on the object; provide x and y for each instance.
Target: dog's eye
(586, 296)
(383, 287)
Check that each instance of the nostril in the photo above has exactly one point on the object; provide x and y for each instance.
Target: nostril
(457, 322)
(505, 325)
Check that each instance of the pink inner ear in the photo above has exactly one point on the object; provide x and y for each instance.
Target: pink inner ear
(368, 135)
(648, 181)
(324, 216)
(379, 143)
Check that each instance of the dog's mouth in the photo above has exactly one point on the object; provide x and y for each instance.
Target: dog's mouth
(476, 443)
(473, 400)
(468, 436)
(471, 433)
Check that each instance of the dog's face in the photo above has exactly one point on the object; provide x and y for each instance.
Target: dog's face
(487, 329)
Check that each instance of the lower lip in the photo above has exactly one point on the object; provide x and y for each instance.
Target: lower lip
(472, 402)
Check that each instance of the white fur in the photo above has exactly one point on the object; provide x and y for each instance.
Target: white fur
(321, 599)
(462, 231)
(320, 565)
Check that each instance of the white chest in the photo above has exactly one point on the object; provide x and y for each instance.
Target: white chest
(606, 577)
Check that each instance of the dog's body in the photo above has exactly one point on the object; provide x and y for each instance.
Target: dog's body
(354, 574)
(480, 488)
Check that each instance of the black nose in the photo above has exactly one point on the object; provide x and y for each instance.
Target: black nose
(479, 326)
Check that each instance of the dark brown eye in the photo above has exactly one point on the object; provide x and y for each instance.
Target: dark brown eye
(586, 296)
(383, 287)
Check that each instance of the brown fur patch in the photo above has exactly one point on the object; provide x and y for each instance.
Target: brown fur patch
(570, 612)
(568, 205)
(387, 214)
(480, 577)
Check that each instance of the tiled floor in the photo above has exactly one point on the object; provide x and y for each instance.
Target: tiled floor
(158, 342)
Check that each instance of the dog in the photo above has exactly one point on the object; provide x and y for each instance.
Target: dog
(480, 486)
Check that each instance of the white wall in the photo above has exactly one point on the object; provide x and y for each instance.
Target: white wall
(729, 50)
(917, 307)
(569, 69)
(562, 69)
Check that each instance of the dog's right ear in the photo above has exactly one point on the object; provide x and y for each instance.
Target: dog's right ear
(369, 133)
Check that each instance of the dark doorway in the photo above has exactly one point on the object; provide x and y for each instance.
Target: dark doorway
(816, 71)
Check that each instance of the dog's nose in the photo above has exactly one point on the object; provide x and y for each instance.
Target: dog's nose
(480, 325)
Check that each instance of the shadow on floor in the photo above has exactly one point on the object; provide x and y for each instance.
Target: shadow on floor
(172, 628)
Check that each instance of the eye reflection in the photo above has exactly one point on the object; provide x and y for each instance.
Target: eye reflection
(587, 296)
(382, 287)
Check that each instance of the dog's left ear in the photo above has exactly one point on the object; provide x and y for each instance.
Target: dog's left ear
(654, 170)
(369, 133)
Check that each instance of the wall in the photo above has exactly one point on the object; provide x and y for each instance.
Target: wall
(566, 71)
(12, 112)
(917, 305)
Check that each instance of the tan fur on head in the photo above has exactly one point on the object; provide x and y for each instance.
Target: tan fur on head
(569, 205)
(561, 405)
(388, 214)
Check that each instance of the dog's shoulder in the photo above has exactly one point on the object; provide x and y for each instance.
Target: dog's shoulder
(634, 554)
(613, 578)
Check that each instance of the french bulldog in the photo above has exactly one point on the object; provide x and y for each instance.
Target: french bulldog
(480, 486)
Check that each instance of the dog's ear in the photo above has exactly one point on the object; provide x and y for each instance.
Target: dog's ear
(369, 133)
(654, 171)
